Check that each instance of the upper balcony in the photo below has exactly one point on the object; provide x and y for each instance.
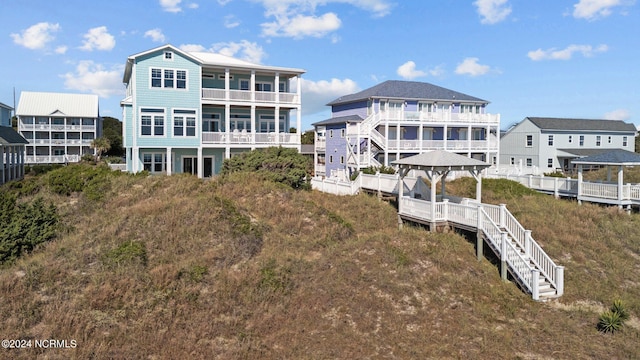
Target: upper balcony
(248, 138)
(263, 97)
(439, 117)
(56, 127)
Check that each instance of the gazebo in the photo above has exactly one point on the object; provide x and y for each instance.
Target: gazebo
(617, 194)
(437, 165)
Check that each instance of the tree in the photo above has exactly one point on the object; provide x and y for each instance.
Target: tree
(308, 138)
(112, 130)
(101, 145)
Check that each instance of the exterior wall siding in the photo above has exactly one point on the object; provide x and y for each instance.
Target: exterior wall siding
(336, 147)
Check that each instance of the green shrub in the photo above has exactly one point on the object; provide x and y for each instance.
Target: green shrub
(129, 252)
(196, 273)
(24, 226)
(275, 279)
(619, 308)
(94, 181)
(610, 322)
(372, 170)
(276, 164)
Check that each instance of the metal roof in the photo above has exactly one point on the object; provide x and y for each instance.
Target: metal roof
(580, 152)
(405, 90)
(545, 123)
(440, 160)
(47, 104)
(339, 120)
(614, 157)
(5, 106)
(8, 136)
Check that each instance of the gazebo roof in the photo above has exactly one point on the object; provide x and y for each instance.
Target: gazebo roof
(440, 160)
(614, 157)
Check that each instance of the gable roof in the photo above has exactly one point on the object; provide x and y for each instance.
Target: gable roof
(397, 89)
(613, 157)
(5, 106)
(545, 123)
(206, 58)
(339, 120)
(8, 136)
(440, 160)
(46, 104)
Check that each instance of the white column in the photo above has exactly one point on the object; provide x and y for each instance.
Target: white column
(254, 124)
(276, 115)
(620, 184)
(135, 161)
(276, 85)
(253, 85)
(2, 164)
(169, 162)
(226, 84)
(200, 163)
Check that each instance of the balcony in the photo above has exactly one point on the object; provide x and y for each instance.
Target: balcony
(51, 159)
(439, 117)
(250, 96)
(248, 138)
(451, 145)
(57, 127)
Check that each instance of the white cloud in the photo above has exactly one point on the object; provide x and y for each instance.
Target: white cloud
(98, 38)
(408, 71)
(155, 35)
(594, 9)
(193, 6)
(470, 66)
(245, 50)
(36, 36)
(316, 94)
(223, 2)
(566, 53)
(437, 71)
(619, 114)
(192, 48)
(301, 26)
(94, 78)
(230, 22)
(172, 6)
(492, 11)
(61, 50)
(298, 18)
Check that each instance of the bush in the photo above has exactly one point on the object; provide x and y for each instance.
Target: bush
(372, 170)
(94, 181)
(613, 319)
(130, 252)
(24, 226)
(276, 164)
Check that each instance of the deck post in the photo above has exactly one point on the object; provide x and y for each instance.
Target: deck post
(535, 278)
(503, 256)
(503, 215)
(556, 193)
(559, 280)
(527, 243)
(479, 240)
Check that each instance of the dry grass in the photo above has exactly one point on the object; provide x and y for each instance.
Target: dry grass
(246, 269)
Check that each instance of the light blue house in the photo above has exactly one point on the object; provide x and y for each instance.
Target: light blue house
(5, 115)
(185, 112)
(12, 154)
(397, 119)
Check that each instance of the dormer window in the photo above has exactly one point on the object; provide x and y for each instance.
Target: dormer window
(168, 56)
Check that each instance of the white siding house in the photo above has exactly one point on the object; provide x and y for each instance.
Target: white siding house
(185, 112)
(543, 145)
(12, 148)
(59, 127)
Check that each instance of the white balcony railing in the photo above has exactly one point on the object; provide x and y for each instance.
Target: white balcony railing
(445, 116)
(250, 138)
(51, 159)
(57, 127)
(247, 96)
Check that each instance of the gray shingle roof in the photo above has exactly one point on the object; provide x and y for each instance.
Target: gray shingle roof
(397, 89)
(8, 136)
(614, 157)
(581, 124)
(339, 120)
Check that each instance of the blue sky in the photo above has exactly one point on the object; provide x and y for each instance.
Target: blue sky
(556, 58)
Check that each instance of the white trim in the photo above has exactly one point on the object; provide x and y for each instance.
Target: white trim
(162, 79)
(139, 122)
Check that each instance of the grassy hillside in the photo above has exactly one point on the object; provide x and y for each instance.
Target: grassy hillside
(174, 267)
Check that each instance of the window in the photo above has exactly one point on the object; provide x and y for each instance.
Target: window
(244, 84)
(529, 162)
(268, 124)
(184, 123)
(168, 78)
(282, 87)
(181, 79)
(512, 161)
(341, 159)
(550, 140)
(550, 163)
(211, 122)
(609, 140)
(330, 133)
(154, 162)
(240, 122)
(341, 133)
(168, 55)
(570, 139)
(262, 86)
(624, 141)
(151, 122)
(581, 140)
(330, 159)
(598, 140)
(529, 140)
(223, 76)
